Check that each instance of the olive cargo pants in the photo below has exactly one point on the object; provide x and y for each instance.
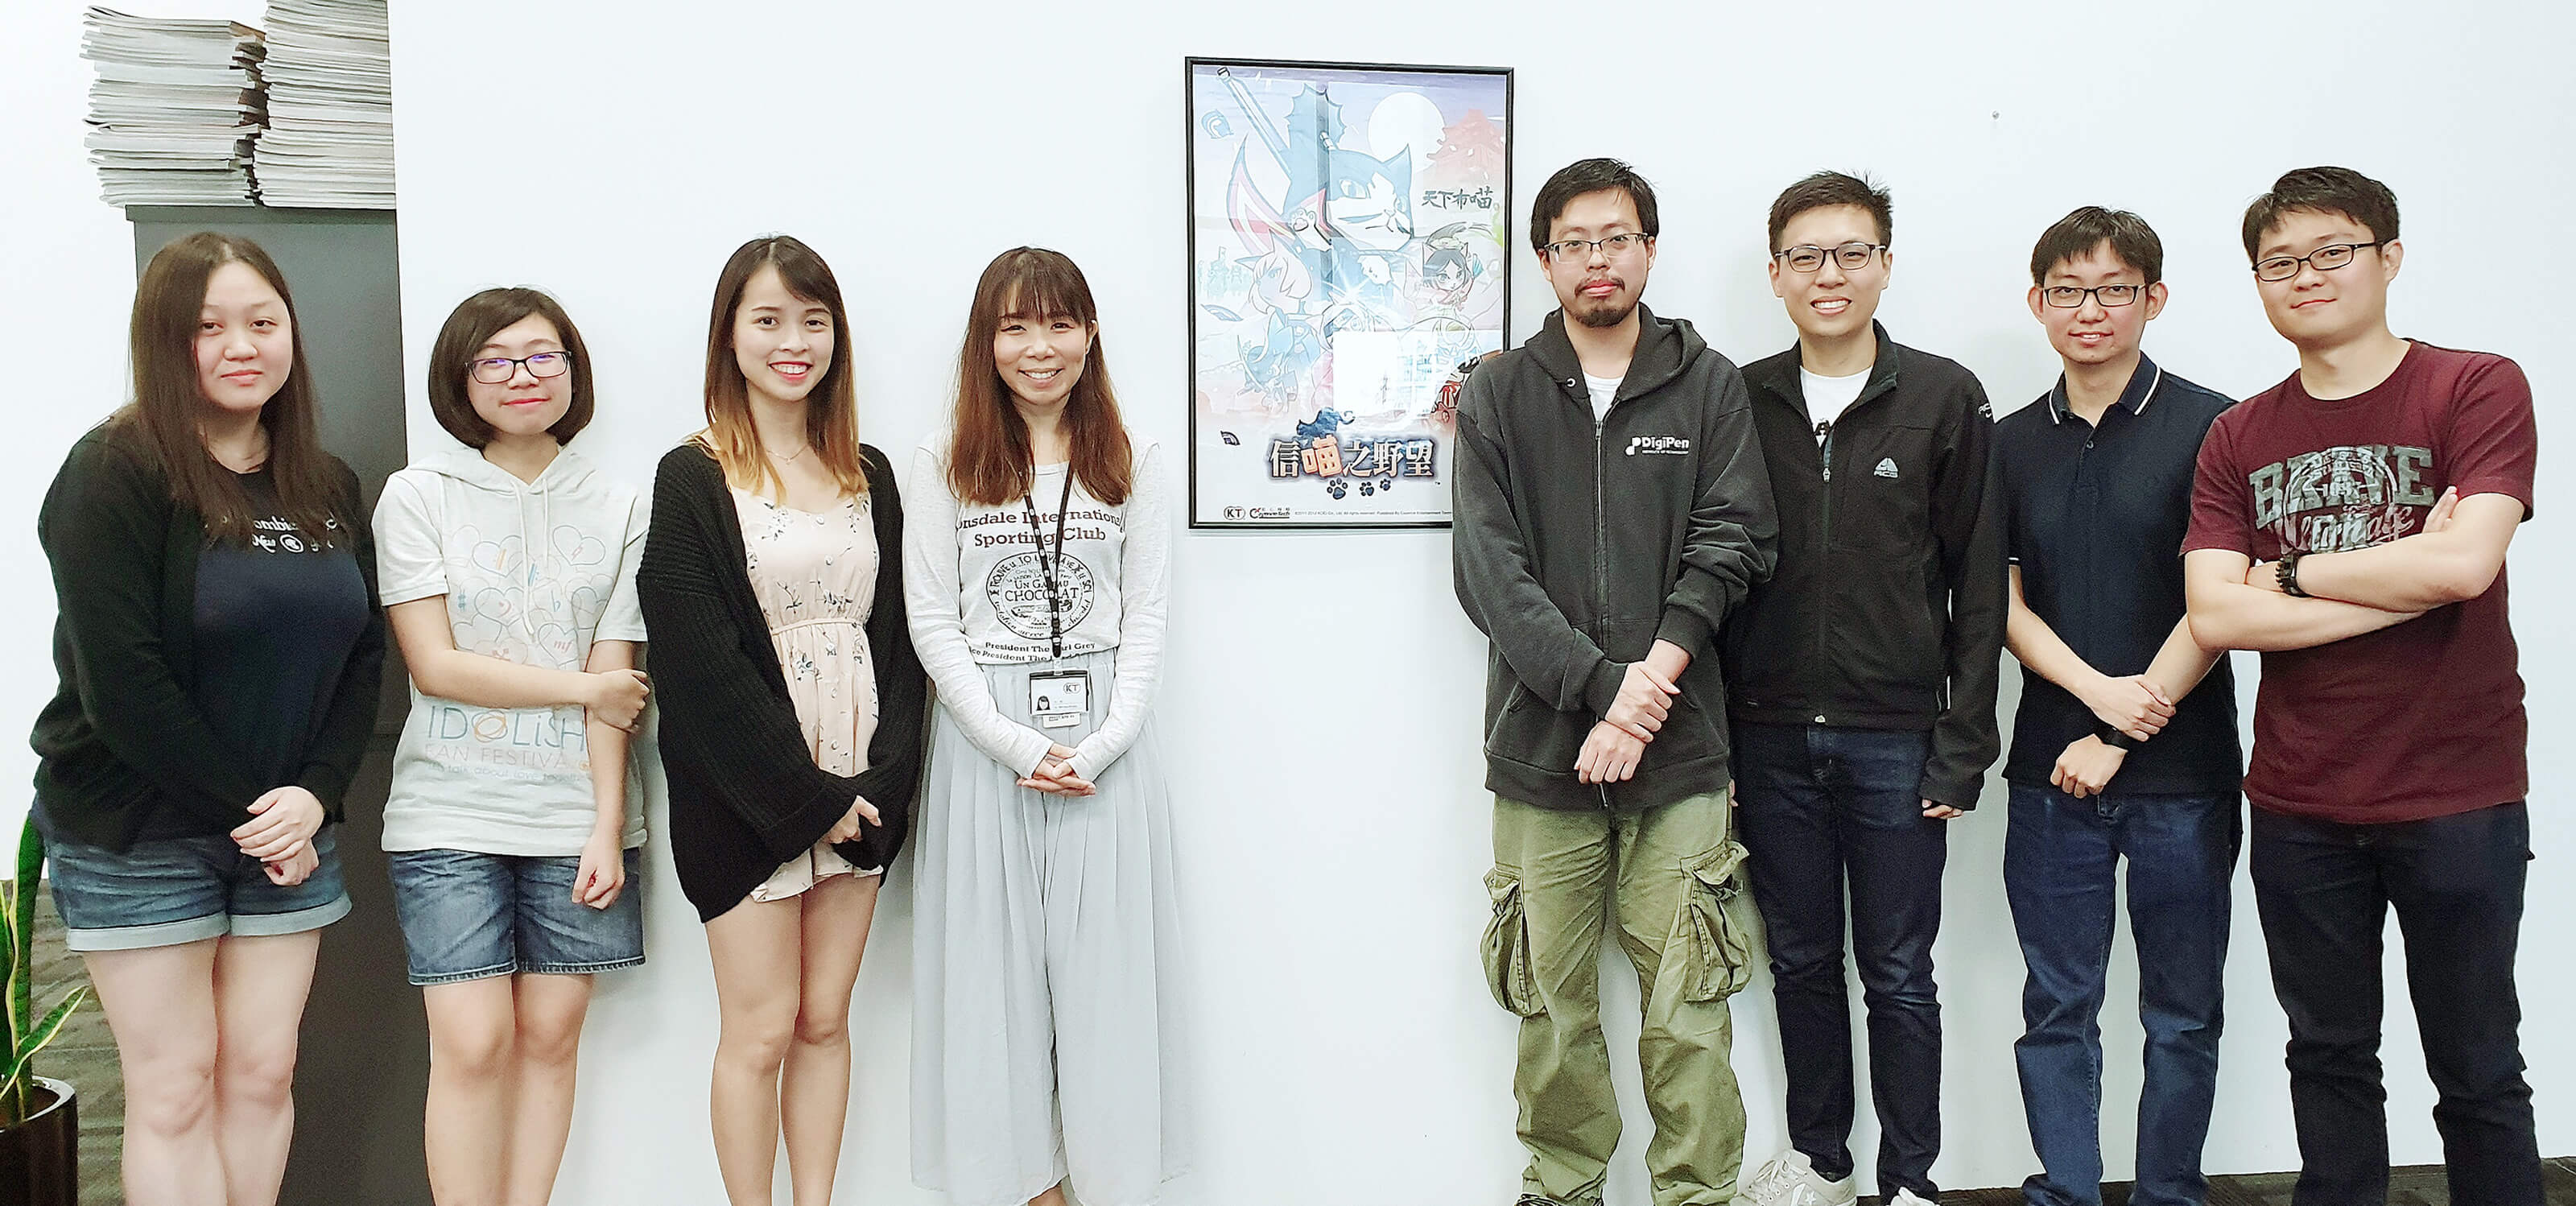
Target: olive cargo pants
(1670, 877)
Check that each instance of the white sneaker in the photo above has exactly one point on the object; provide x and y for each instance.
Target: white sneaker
(1905, 1197)
(1790, 1179)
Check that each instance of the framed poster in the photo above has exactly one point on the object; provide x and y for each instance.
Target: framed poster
(1349, 252)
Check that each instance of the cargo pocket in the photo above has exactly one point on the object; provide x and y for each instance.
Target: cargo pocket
(1507, 947)
(1713, 923)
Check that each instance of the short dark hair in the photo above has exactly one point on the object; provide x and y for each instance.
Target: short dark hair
(2330, 190)
(474, 322)
(1833, 188)
(2080, 232)
(1590, 176)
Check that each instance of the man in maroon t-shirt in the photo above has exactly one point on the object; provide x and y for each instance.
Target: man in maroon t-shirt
(2351, 524)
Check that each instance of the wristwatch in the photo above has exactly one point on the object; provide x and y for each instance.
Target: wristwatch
(2286, 572)
(2115, 738)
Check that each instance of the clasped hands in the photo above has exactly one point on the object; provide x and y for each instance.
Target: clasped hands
(280, 834)
(1618, 741)
(1055, 776)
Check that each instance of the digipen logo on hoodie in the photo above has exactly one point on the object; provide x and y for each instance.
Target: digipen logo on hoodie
(1668, 445)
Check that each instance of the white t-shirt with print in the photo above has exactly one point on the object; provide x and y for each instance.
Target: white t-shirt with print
(975, 595)
(1829, 397)
(533, 572)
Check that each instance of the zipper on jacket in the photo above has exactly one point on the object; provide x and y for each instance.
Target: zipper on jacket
(1825, 527)
(1600, 524)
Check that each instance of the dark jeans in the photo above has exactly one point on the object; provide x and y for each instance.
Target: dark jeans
(1818, 805)
(2061, 864)
(2324, 891)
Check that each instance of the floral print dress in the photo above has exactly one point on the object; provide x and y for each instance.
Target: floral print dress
(815, 575)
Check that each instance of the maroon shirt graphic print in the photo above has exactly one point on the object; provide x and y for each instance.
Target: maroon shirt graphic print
(2422, 719)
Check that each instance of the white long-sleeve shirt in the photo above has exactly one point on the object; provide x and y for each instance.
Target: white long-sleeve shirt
(976, 595)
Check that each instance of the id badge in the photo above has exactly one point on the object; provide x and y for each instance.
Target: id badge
(1060, 700)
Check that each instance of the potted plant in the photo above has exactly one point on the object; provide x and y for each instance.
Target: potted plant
(39, 1119)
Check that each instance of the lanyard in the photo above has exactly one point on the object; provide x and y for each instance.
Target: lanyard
(1048, 568)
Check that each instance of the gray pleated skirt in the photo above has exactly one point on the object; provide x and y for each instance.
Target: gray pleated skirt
(1046, 1037)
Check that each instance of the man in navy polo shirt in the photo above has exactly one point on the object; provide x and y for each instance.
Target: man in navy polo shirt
(2115, 754)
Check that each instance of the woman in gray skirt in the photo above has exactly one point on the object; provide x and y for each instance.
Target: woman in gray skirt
(1046, 1038)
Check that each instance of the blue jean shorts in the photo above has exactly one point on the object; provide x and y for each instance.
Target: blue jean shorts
(469, 916)
(172, 891)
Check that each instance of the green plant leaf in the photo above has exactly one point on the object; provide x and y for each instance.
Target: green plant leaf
(20, 971)
(43, 1033)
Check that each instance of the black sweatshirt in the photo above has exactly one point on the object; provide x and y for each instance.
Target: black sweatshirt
(745, 793)
(125, 745)
(1577, 544)
(1886, 610)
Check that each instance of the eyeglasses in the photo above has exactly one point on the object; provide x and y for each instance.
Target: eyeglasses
(1613, 247)
(1807, 257)
(2323, 259)
(494, 370)
(2068, 297)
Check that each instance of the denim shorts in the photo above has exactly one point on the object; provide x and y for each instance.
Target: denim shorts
(172, 891)
(469, 916)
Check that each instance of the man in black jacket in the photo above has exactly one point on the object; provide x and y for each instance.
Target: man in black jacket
(1864, 680)
(1611, 510)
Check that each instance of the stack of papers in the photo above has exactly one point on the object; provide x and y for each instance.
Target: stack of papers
(174, 108)
(330, 137)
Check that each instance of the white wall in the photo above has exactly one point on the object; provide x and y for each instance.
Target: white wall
(1322, 702)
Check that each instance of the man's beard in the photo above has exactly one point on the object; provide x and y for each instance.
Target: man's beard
(1609, 313)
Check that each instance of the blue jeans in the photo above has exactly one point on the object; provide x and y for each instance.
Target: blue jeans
(469, 916)
(2061, 862)
(1819, 804)
(2456, 883)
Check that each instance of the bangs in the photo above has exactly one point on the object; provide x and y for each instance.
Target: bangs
(1041, 285)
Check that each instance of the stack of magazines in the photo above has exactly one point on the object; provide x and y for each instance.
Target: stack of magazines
(174, 108)
(330, 137)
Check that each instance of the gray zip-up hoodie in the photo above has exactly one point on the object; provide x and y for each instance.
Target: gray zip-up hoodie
(1578, 544)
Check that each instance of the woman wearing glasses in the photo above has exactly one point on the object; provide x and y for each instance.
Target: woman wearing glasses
(508, 572)
(791, 704)
(1046, 1044)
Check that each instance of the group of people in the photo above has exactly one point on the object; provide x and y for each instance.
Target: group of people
(1746, 629)
(223, 607)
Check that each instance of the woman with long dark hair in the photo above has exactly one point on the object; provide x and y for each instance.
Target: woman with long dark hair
(791, 704)
(1046, 1033)
(219, 647)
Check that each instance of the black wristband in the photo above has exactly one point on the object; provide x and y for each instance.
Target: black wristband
(2115, 738)
(2287, 570)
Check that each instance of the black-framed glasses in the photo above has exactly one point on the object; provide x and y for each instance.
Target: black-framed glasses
(1615, 246)
(1807, 257)
(2068, 297)
(2323, 259)
(493, 370)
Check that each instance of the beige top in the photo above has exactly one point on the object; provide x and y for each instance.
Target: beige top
(815, 575)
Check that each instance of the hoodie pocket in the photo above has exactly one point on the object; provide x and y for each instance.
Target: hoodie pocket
(1507, 946)
(1535, 735)
(1716, 934)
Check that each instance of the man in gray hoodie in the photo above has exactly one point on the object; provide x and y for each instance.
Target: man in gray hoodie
(1611, 508)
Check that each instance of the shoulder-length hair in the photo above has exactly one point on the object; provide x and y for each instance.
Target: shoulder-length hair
(990, 458)
(471, 325)
(831, 410)
(169, 406)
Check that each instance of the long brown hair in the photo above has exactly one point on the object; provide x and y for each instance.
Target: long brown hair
(990, 459)
(831, 410)
(168, 405)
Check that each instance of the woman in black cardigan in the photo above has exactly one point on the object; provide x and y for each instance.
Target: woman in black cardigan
(792, 704)
(219, 647)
